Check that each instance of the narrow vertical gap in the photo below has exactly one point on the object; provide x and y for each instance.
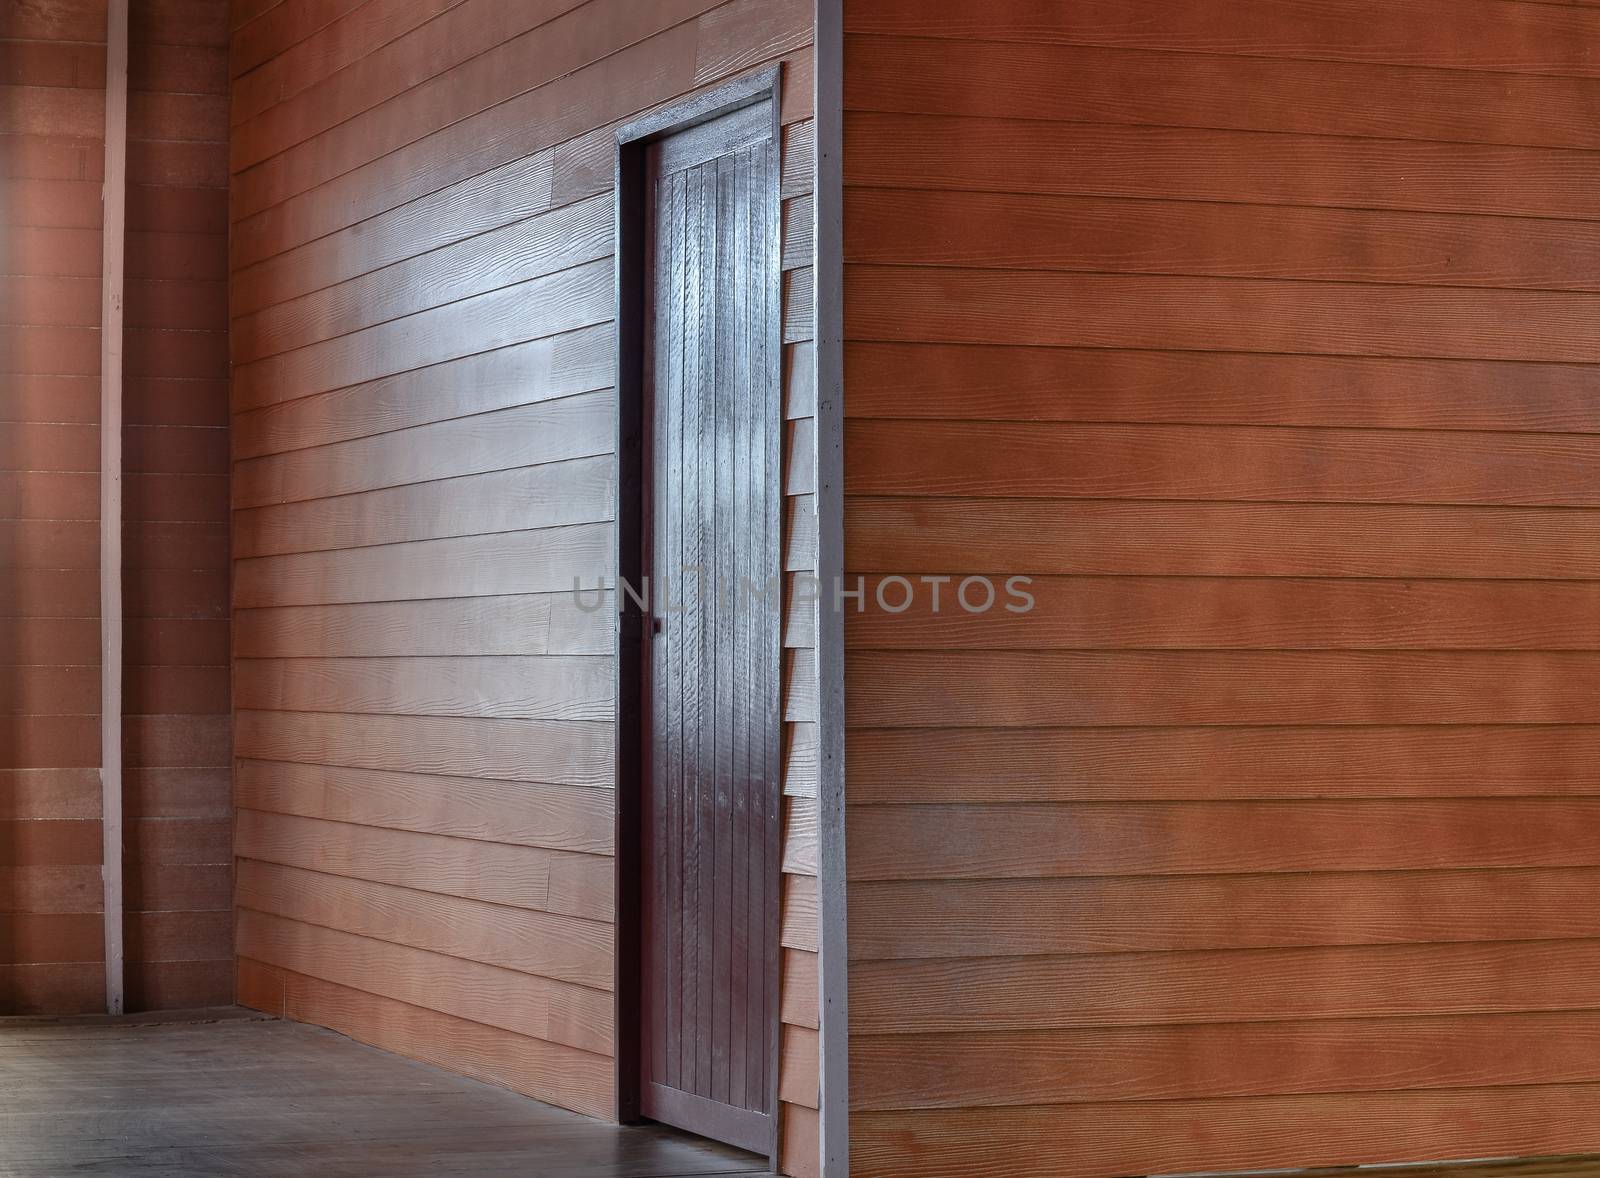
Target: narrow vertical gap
(113, 236)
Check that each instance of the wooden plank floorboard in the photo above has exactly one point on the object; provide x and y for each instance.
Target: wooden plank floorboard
(242, 1096)
(1551, 1167)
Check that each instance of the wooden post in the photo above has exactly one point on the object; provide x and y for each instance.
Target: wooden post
(828, 291)
(113, 220)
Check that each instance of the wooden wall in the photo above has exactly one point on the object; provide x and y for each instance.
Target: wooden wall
(421, 296)
(52, 116)
(177, 785)
(1264, 337)
(52, 153)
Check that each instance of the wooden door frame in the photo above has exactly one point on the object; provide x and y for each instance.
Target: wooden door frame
(632, 484)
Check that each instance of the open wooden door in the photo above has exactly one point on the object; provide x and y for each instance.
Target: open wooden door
(710, 724)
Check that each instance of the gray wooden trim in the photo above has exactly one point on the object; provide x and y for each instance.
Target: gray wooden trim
(702, 107)
(113, 233)
(828, 272)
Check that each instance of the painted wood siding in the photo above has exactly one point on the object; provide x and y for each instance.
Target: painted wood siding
(175, 535)
(177, 785)
(1262, 337)
(423, 414)
(52, 157)
(797, 1059)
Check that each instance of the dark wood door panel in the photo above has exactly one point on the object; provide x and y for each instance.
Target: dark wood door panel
(712, 804)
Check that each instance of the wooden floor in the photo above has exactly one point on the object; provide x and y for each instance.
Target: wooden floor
(1564, 1167)
(228, 1093)
(247, 1097)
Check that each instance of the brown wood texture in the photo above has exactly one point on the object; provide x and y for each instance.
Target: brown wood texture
(1258, 337)
(420, 291)
(52, 118)
(175, 456)
(1498, 37)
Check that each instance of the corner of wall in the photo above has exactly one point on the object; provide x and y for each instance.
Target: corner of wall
(828, 268)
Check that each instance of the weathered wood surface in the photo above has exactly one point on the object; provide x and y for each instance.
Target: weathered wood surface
(264, 1098)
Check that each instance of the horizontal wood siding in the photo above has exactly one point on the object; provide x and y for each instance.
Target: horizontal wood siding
(798, 1082)
(1261, 337)
(52, 160)
(423, 421)
(177, 791)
